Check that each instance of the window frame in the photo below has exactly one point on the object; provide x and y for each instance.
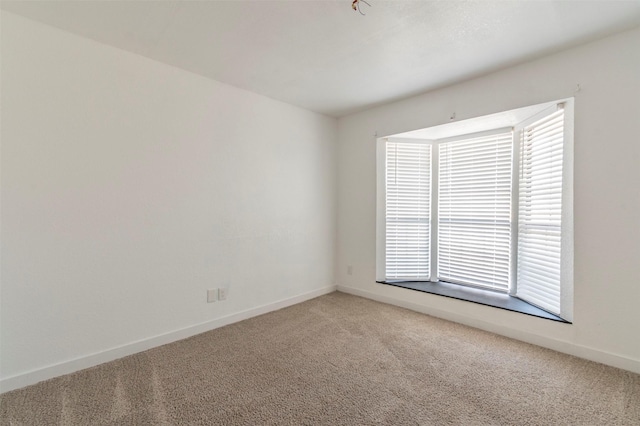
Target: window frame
(566, 227)
(399, 189)
(480, 137)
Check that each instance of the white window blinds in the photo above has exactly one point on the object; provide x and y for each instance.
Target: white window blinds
(540, 208)
(474, 211)
(408, 203)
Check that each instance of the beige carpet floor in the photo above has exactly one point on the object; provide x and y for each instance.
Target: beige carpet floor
(336, 360)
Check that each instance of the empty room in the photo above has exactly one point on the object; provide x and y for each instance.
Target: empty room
(319, 212)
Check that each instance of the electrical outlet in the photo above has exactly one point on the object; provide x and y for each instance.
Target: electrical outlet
(223, 293)
(212, 295)
(349, 270)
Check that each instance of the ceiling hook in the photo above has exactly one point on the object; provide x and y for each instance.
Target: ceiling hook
(355, 5)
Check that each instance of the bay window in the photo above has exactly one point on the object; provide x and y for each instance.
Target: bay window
(489, 209)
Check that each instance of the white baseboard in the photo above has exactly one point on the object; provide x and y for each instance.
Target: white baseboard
(35, 376)
(579, 351)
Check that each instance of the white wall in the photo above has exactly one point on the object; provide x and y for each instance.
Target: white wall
(130, 187)
(606, 204)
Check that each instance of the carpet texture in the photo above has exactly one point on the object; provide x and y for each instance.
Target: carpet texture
(336, 360)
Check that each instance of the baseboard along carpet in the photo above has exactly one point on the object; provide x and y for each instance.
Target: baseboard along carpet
(336, 360)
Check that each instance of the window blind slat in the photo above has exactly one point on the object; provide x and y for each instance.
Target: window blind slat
(408, 215)
(540, 212)
(474, 211)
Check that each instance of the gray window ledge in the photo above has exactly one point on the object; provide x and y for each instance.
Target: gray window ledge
(476, 295)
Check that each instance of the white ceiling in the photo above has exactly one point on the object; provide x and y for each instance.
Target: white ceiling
(325, 57)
